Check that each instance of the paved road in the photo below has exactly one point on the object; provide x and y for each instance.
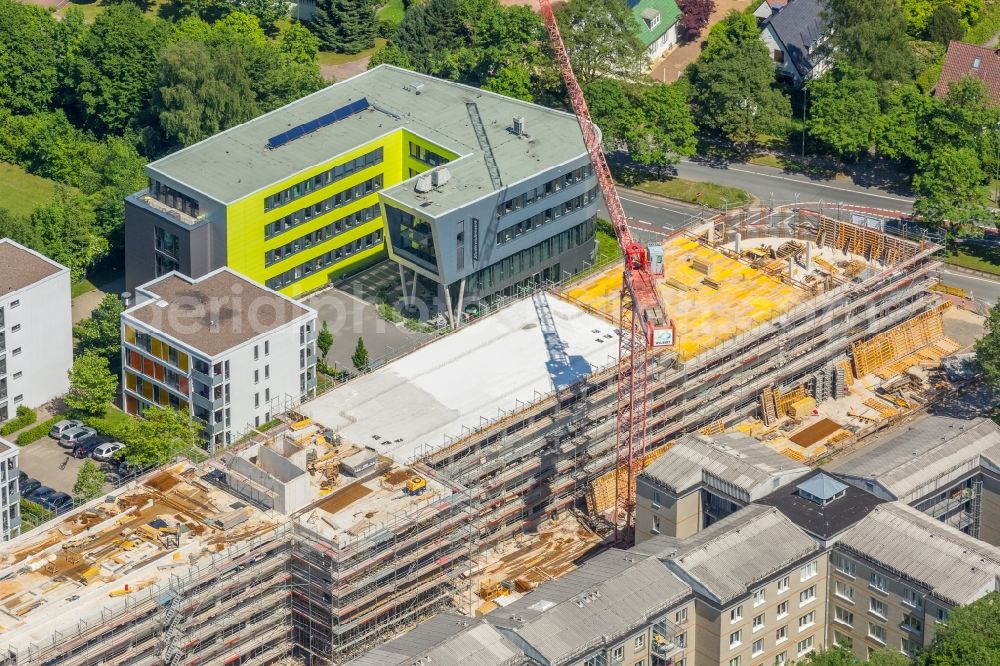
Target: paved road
(982, 289)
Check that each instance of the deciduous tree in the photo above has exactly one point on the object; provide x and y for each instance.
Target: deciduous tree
(159, 437)
(944, 25)
(89, 482)
(695, 15)
(972, 633)
(360, 356)
(844, 113)
(951, 191)
(870, 36)
(28, 57)
(324, 340)
(611, 108)
(92, 387)
(601, 37)
(101, 333)
(663, 130)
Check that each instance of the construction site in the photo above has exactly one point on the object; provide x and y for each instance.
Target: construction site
(480, 465)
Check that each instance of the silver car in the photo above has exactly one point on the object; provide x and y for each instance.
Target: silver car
(67, 424)
(78, 435)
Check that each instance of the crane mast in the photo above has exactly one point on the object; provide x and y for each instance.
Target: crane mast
(643, 320)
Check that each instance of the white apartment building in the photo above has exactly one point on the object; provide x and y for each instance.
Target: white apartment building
(36, 328)
(231, 352)
(10, 492)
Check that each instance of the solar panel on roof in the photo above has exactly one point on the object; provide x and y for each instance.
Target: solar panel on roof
(336, 115)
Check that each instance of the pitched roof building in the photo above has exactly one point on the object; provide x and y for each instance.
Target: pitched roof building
(970, 60)
(793, 33)
(657, 21)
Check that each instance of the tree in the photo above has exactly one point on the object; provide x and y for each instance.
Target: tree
(298, 44)
(111, 71)
(733, 83)
(201, 91)
(101, 333)
(944, 25)
(695, 15)
(427, 31)
(888, 657)
(512, 81)
(28, 57)
(870, 36)
(601, 38)
(951, 192)
(920, 13)
(344, 26)
(268, 12)
(611, 108)
(900, 131)
(843, 656)
(92, 387)
(66, 231)
(89, 482)
(844, 113)
(324, 340)
(663, 130)
(971, 634)
(159, 437)
(360, 356)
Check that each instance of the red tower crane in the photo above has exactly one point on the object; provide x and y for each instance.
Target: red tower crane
(643, 321)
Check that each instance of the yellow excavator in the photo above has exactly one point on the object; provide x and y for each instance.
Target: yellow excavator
(415, 486)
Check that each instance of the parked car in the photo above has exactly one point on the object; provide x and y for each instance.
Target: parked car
(74, 436)
(40, 493)
(28, 486)
(67, 424)
(87, 447)
(116, 472)
(22, 477)
(57, 502)
(107, 450)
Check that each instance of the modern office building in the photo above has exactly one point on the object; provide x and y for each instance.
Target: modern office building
(230, 352)
(36, 328)
(477, 193)
(10, 491)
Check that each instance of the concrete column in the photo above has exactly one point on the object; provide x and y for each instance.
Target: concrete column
(458, 308)
(791, 266)
(711, 232)
(809, 254)
(738, 239)
(402, 281)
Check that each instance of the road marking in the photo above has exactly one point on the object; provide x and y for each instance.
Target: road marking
(649, 205)
(966, 276)
(802, 182)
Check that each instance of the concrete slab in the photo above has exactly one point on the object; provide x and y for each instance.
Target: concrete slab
(477, 373)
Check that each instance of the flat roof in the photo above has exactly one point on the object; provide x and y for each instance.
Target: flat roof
(21, 267)
(822, 520)
(213, 313)
(237, 162)
(489, 368)
(732, 458)
(72, 568)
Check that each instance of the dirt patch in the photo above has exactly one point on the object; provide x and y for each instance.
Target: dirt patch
(344, 498)
(816, 432)
(163, 481)
(397, 476)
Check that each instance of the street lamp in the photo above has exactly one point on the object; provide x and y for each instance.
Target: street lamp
(805, 104)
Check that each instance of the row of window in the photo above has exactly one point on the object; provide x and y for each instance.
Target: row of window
(161, 373)
(802, 648)
(321, 180)
(339, 199)
(806, 572)
(324, 233)
(157, 348)
(541, 219)
(494, 275)
(173, 198)
(426, 155)
(876, 581)
(542, 191)
(324, 260)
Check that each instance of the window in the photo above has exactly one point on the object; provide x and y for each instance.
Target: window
(782, 609)
(267, 370)
(640, 641)
(803, 646)
(17, 375)
(912, 598)
(618, 654)
(656, 524)
(758, 647)
(758, 622)
(14, 304)
(15, 328)
(780, 659)
(256, 399)
(656, 498)
(845, 566)
(942, 615)
(682, 640)
(783, 585)
(256, 376)
(878, 582)
(256, 352)
(912, 624)
(808, 571)
(681, 616)
(641, 662)
(908, 647)
(807, 620)
(267, 347)
(807, 595)
(877, 607)
(781, 635)
(323, 179)
(876, 632)
(843, 640)
(844, 616)
(735, 639)
(736, 614)
(16, 352)
(735, 661)
(844, 591)
(758, 597)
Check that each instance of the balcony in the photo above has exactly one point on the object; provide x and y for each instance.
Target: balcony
(208, 402)
(207, 380)
(665, 645)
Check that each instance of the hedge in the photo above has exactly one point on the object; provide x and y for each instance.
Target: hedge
(39, 431)
(25, 417)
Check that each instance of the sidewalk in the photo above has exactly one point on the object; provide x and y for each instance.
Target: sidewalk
(670, 68)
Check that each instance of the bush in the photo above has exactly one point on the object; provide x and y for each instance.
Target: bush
(25, 417)
(386, 28)
(33, 515)
(389, 313)
(39, 431)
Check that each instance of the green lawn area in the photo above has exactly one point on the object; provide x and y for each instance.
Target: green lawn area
(793, 166)
(331, 58)
(21, 192)
(90, 8)
(392, 10)
(109, 423)
(607, 248)
(984, 258)
(713, 195)
(82, 287)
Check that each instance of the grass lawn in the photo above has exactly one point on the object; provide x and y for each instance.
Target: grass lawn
(90, 8)
(793, 166)
(109, 423)
(331, 58)
(392, 10)
(82, 287)
(21, 192)
(712, 194)
(607, 248)
(984, 258)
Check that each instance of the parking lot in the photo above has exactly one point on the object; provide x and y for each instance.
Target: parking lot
(43, 459)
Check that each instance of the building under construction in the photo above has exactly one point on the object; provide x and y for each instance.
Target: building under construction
(384, 499)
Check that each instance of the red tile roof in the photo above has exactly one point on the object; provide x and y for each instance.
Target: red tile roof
(961, 60)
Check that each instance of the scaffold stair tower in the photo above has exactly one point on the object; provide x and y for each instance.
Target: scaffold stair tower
(643, 320)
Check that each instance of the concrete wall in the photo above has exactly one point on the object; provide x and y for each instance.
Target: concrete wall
(989, 519)
(10, 510)
(287, 479)
(38, 325)
(200, 243)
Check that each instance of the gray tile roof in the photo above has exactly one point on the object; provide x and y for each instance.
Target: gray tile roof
(21, 267)
(731, 462)
(730, 557)
(236, 163)
(926, 455)
(955, 566)
(799, 26)
(446, 640)
(596, 605)
(822, 486)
